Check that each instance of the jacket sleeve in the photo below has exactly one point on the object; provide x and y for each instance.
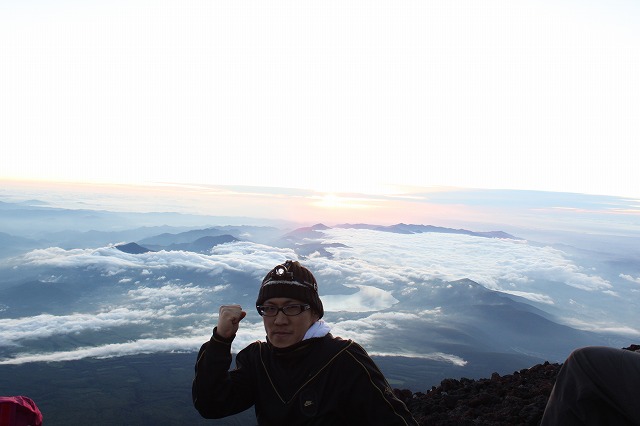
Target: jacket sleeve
(379, 405)
(216, 391)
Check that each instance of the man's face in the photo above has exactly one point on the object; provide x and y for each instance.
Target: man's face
(283, 330)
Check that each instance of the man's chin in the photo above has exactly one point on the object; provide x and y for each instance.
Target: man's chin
(281, 340)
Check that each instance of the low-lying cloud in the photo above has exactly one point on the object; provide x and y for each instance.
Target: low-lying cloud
(238, 257)
(630, 278)
(371, 274)
(435, 356)
(46, 325)
(141, 346)
(494, 263)
(367, 299)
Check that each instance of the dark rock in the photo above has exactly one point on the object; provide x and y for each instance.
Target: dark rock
(519, 398)
(514, 399)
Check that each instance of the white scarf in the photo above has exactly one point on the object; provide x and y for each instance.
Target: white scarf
(318, 329)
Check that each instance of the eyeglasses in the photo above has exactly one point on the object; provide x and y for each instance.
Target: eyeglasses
(289, 310)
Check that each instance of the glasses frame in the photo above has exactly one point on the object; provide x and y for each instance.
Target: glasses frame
(303, 307)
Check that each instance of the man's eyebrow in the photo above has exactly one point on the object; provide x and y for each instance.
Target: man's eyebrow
(284, 303)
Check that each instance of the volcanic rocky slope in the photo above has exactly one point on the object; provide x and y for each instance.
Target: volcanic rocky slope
(513, 399)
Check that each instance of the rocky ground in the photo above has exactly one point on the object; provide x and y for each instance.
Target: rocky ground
(513, 399)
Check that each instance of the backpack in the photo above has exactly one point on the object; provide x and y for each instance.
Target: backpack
(19, 411)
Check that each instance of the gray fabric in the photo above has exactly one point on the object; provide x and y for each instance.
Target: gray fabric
(596, 386)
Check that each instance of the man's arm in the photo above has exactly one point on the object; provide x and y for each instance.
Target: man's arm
(216, 391)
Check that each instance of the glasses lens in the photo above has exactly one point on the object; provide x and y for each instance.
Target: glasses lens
(289, 310)
(268, 311)
(292, 309)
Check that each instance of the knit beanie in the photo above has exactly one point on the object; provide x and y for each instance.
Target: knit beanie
(292, 280)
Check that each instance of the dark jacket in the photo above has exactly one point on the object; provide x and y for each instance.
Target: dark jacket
(320, 381)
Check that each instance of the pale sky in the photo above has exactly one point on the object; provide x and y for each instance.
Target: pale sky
(334, 96)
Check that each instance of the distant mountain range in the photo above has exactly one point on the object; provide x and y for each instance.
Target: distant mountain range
(302, 240)
(400, 228)
(168, 239)
(200, 245)
(202, 240)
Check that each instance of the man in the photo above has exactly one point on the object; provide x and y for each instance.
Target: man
(302, 375)
(596, 386)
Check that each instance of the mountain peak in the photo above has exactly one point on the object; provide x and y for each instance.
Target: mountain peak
(319, 227)
(132, 248)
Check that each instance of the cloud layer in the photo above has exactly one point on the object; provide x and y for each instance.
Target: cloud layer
(498, 264)
(167, 300)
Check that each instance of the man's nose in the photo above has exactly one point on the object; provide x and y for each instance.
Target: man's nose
(280, 318)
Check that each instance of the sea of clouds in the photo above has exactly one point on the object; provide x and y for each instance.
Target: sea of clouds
(366, 279)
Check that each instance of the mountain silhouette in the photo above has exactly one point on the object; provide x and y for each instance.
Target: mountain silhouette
(132, 248)
(402, 228)
(204, 244)
(167, 239)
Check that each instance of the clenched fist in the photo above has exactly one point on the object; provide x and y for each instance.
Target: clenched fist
(229, 320)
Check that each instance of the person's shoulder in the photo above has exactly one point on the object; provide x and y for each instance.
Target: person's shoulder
(335, 342)
(350, 354)
(357, 352)
(328, 347)
(353, 346)
(352, 349)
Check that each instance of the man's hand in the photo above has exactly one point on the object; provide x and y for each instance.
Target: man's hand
(229, 320)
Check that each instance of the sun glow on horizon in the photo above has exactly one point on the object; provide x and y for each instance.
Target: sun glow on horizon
(333, 201)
